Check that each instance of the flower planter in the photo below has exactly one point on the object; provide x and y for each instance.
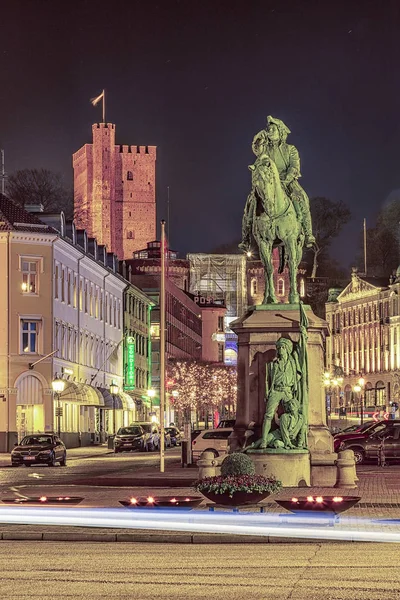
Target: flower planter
(237, 499)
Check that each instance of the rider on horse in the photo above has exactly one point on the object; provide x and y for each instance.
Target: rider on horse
(271, 143)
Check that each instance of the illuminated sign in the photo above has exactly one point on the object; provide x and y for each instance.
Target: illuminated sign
(130, 363)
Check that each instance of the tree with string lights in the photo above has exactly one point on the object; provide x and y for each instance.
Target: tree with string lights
(204, 387)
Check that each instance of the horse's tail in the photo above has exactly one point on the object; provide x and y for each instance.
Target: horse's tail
(281, 249)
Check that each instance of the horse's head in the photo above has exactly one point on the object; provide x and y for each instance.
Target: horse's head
(263, 178)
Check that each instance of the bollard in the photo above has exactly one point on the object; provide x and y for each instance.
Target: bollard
(208, 465)
(346, 469)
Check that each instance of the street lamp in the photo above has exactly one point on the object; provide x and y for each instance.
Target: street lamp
(114, 389)
(58, 386)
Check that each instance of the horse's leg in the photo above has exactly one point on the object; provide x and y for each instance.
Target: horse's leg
(265, 249)
(293, 262)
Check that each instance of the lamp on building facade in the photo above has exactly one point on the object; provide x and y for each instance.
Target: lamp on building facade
(359, 389)
(114, 389)
(58, 386)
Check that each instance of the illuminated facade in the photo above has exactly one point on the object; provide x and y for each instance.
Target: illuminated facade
(61, 314)
(364, 321)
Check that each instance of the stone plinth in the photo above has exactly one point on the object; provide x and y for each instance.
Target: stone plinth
(257, 331)
(291, 467)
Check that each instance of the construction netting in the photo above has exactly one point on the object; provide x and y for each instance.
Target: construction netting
(221, 277)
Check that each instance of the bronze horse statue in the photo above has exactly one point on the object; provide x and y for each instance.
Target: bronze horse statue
(275, 223)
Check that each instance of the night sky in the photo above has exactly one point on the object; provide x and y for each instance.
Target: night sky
(197, 79)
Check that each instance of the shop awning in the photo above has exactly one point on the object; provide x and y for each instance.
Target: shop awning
(122, 400)
(82, 393)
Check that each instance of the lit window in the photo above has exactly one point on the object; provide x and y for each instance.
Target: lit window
(29, 276)
(29, 336)
(155, 331)
(281, 287)
(302, 288)
(253, 286)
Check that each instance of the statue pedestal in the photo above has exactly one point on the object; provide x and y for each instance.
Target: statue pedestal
(257, 331)
(291, 467)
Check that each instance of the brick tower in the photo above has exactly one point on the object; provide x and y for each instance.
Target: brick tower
(114, 192)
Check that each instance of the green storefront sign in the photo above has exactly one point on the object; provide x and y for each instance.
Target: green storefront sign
(130, 363)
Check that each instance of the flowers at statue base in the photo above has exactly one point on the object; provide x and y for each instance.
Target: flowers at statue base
(238, 483)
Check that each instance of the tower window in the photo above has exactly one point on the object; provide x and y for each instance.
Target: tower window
(281, 287)
(253, 286)
(129, 235)
(129, 176)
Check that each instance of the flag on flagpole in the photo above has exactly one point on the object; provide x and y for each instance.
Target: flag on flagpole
(95, 101)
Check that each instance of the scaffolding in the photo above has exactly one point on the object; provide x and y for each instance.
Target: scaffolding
(221, 277)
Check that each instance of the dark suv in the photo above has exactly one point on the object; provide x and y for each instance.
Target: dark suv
(129, 438)
(367, 448)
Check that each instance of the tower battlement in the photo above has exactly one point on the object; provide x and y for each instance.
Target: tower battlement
(103, 126)
(124, 149)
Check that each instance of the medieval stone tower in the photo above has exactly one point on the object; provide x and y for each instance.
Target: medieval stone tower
(114, 192)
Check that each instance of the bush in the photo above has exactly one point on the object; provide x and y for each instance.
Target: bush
(238, 483)
(237, 464)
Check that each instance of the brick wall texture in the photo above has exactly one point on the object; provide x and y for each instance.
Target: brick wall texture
(114, 192)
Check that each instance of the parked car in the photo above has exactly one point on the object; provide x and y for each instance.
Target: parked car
(212, 440)
(39, 449)
(129, 438)
(226, 423)
(175, 435)
(354, 435)
(194, 433)
(152, 436)
(367, 448)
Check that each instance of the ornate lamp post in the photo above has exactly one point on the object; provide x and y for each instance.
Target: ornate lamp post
(114, 389)
(58, 386)
(332, 382)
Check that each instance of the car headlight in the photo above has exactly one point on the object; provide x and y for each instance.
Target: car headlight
(46, 452)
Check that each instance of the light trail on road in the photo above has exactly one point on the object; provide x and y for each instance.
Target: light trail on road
(198, 522)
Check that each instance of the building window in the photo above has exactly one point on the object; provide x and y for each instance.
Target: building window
(56, 281)
(101, 304)
(129, 235)
(29, 270)
(281, 287)
(253, 286)
(220, 323)
(129, 176)
(302, 288)
(221, 348)
(86, 297)
(29, 336)
(69, 288)
(75, 291)
(62, 285)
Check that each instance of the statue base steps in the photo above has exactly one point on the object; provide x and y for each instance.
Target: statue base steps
(291, 467)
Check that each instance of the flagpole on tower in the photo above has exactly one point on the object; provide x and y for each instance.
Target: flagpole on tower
(104, 106)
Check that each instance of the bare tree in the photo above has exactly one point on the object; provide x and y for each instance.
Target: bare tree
(328, 219)
(40, 186)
